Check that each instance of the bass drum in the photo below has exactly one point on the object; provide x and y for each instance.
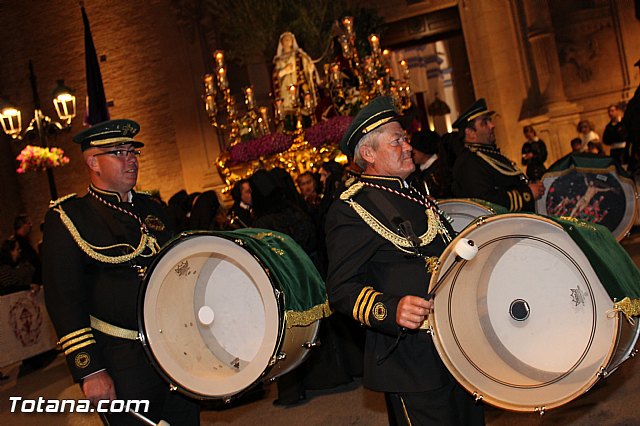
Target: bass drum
(463, 211)
(213, 317)
(524, 325)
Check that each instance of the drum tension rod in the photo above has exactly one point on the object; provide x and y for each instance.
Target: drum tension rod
(540, 410)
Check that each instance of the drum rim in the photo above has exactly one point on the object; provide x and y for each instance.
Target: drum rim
(618, 233)
(466, 201)
(279, 298)
(440, 348)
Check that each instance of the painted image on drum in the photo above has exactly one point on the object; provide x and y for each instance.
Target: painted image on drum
(593, 197)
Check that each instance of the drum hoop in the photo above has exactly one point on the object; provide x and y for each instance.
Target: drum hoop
(441, 349)
(280, 303)
(592, 334)
(618, 233)
(465, 201)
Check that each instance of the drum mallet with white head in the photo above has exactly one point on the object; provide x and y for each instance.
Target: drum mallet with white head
(148, 421)
(465, 249)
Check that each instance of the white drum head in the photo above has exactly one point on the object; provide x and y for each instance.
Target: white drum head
(211, 318)
(524, 324)
(463, 212)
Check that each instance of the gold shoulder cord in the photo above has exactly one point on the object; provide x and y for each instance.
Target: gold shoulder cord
(500, 167)
(146, 242)
(401, 243)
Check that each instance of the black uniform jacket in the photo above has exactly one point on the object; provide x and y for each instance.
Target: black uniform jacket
(481, 171)
(368, 276)
(78, 286)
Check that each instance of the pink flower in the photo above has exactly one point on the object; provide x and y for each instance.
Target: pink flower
(39, 158)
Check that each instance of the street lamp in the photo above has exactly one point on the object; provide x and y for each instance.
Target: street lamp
(65, 104)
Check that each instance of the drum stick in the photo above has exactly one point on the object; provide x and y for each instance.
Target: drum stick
(146, 420)
(465, 249)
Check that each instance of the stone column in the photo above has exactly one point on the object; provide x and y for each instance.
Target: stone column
(544, 53)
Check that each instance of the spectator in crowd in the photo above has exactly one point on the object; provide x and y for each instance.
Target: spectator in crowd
(534, 154)
(631, 122)
(615, 135)
(15, 274)
(587, 134)
(21, 233)
(177, 209)
(206, 213)
(308, 187)
(241, 212)
(576, 145)
(428, 177)
(595, 148)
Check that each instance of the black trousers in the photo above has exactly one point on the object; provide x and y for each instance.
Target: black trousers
(135, 378)
(447, 406)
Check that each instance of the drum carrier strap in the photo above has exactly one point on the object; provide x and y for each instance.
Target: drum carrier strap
(113, 330)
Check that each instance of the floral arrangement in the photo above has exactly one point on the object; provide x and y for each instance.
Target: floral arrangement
(39, 158)
(260, 147)
(328, 132)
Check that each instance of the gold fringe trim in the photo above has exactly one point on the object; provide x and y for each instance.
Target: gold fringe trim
(146, 242)
(500, 167)
(351, 191)
(629, 307)
(305, 318)
(579, 223)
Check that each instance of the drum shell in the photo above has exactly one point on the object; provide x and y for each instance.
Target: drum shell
(193, 359)
(464, 211)
(509, 363)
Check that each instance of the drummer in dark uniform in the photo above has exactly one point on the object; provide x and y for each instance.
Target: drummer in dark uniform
(481, 171)
(383, 240)
(96, 249)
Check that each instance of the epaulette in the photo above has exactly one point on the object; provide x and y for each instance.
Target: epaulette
(54, 203)
(147, 193)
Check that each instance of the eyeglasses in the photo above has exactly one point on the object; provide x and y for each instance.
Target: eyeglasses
(121, 153)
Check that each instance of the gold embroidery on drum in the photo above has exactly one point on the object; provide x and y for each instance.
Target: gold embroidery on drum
(82, 360)
(182, 268)
(379, 311)
(277, 251)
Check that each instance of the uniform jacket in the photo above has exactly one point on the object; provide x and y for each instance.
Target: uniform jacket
(368, 276)
(78, 286)
(481, 171)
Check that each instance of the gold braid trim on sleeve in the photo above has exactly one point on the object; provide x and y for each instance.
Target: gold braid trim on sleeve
(146, 242)
(54, 203)
(629, 307)
(305, 318)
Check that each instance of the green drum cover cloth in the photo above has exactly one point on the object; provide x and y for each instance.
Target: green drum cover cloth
(305, 296)
(616, 270)
(586, 161)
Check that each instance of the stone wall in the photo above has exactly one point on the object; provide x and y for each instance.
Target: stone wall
(151, 72)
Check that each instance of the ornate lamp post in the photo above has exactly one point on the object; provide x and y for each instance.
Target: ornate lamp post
(65, 104)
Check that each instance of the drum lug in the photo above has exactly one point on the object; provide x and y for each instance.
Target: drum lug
(239, 242)
(477, 397)
(172, 387)
(279, 357)
(540, 410)
(311, 345)
(602, 372)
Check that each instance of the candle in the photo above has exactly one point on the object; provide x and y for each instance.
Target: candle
(336, 78)
(374, 41)
(278, 109)
(346, 47)
(347, 22)
(404, 66)
(249, 99)
(308, 102)
(222, 78)
(209, 88)
(219, 57)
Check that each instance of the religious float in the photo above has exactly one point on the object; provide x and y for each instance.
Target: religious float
(308, 114)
